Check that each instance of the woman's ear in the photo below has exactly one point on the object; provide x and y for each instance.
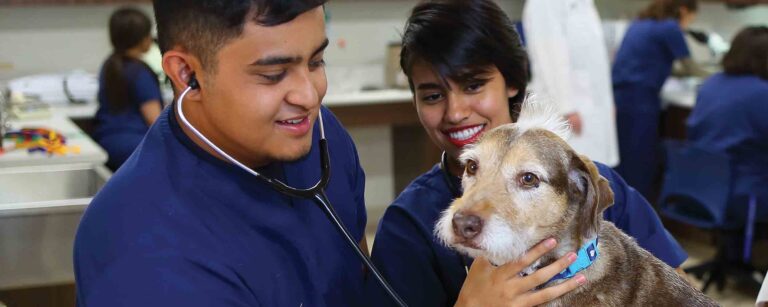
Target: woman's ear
(179, 66)
(512, 92)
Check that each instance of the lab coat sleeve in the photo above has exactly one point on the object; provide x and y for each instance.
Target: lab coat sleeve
(634, 215)
(544, 26)
(674, 40)
(404, 256)
(162, 280)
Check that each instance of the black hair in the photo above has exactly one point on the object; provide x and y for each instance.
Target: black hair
(749, 53)
(668, 9)
(461, 39)
(202, 27)
(128, 27)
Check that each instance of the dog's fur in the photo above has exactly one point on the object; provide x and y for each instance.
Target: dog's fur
(567, 204)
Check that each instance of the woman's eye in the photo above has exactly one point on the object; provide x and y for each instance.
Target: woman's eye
(471, 167)
(530, 180)
(431, 97)
(472, 88)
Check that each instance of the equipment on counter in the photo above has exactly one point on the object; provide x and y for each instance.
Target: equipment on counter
(41, 140)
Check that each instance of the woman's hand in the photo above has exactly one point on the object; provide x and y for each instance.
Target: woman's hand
(487, 285)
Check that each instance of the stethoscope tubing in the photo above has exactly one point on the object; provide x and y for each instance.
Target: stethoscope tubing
(315, 193)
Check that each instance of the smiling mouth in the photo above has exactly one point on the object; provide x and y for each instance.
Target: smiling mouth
(292, 121)
(464, 135)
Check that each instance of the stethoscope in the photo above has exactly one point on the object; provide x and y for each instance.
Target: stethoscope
(456, 192)
(315, 193)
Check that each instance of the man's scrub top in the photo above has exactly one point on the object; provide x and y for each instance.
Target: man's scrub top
(177, 227)
(426, 273)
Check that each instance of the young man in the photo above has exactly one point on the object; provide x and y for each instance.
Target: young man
(177, 225)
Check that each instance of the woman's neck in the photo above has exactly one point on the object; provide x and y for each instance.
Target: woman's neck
(454, 166)
(134, 53)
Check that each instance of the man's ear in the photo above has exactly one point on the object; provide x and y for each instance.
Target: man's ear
(590, 192)
(180, 66)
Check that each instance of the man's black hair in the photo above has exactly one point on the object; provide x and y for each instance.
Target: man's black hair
(202, 27)
(461, 39)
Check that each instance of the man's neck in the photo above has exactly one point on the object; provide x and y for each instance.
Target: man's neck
(200, 143)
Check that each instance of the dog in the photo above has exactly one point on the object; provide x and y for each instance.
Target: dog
(522, 184)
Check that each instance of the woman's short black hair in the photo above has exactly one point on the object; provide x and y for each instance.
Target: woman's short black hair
(463, 38)
(749, 53)
(203, 26)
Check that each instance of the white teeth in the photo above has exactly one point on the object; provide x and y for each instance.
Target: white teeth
(293, 121)
(465, 134)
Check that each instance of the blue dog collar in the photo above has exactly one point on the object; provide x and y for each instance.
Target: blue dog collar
(584, 258)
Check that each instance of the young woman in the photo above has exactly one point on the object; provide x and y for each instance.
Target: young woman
(730, 113)
(644, 61)
(129, 93)
(468, 73)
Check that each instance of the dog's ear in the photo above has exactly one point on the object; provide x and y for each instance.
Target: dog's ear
(590, 192)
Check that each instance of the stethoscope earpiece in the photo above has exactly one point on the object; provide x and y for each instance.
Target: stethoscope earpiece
(193, 82)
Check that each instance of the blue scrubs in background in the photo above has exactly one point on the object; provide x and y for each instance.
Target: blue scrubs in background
(731, 117)
(426, 273)
(177, 227)
(643, 63)
(120, 132)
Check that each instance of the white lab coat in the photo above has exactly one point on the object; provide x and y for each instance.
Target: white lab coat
(570, 66)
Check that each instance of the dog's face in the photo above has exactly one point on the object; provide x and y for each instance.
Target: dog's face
(522, 186)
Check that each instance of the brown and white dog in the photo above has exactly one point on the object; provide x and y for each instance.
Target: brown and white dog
(522, 184)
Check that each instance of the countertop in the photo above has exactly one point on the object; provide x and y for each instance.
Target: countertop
(90, 152)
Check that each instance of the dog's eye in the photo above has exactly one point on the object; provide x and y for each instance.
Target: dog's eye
(530, 180)
(471, 167)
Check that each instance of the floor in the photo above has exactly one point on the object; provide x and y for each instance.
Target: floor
(732, 295)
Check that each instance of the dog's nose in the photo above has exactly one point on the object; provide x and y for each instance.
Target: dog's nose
(467, 226)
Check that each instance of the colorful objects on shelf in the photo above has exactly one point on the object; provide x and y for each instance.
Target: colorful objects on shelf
(41, 140)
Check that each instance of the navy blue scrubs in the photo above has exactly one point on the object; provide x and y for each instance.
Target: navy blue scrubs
(120, 132)
(426, 273)
(643, 62)
(731, 117)
(177, 227)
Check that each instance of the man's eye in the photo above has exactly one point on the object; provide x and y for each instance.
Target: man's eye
(529, 180)
(274, 77)
(471, 167)
(317, 64)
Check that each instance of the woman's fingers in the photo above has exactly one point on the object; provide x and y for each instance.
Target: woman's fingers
(547, 294)
(546, 273)
(514, 267)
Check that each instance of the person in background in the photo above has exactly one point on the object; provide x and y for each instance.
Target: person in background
(129, 91)
(642, 65)
(731, 114)
(468, 73)
(564, 40)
